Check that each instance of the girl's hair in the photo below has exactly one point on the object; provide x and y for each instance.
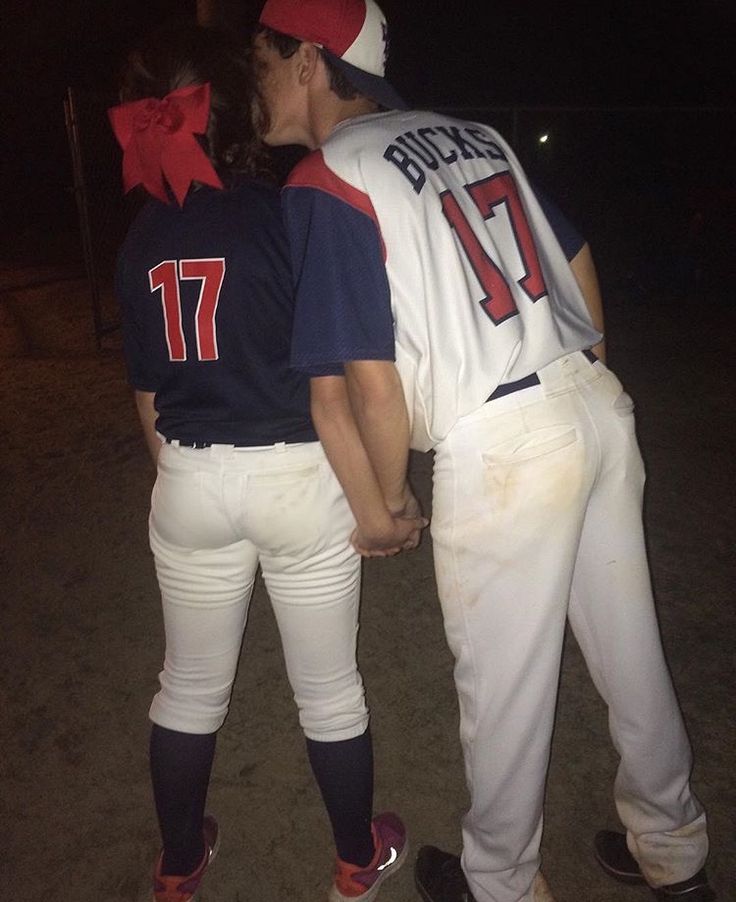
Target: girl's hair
(181, 54)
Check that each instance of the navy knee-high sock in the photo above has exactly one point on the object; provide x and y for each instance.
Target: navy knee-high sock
(344, 774)
(180, 773)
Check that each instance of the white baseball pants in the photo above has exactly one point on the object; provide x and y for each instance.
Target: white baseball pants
(218, 512)
(537, 517)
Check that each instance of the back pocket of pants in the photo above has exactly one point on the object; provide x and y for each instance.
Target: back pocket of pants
(531, 445)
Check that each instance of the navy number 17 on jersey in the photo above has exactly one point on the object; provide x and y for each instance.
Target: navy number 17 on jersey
(488, 194)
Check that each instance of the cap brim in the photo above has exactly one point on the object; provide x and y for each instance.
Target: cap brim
(372, 86)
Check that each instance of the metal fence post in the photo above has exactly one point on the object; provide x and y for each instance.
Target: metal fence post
(82, 200)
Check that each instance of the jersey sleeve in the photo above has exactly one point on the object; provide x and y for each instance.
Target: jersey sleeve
(343, 299)
(570, 240)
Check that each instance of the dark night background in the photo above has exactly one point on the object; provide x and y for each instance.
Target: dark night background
(614, 55)
(642, 159)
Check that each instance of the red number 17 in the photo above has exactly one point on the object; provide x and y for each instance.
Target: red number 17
(167, 276)
(487, 194)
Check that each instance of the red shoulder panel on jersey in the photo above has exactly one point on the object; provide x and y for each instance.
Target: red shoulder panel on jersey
(313, 172)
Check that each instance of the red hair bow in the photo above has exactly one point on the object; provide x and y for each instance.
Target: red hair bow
(157, 137)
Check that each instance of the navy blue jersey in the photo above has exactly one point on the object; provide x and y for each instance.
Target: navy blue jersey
(207, 301)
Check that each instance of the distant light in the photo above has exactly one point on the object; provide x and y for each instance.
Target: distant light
(543, 139)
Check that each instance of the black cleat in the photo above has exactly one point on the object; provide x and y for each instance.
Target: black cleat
(614, 857)
(439, 877)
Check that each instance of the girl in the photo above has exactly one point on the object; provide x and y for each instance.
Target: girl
(205, 289)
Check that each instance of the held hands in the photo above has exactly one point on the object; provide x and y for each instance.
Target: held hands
(403, 535)
(400, 532)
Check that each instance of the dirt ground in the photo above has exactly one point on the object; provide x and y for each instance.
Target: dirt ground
(81, 635)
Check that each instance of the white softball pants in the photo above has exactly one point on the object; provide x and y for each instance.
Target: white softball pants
(536, 518)
(218, 512)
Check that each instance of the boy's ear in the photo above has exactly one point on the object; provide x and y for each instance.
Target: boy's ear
(308, 61)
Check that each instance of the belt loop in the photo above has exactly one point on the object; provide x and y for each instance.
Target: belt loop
(280, 447)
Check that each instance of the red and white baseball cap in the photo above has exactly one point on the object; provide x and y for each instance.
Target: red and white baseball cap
(353, 33)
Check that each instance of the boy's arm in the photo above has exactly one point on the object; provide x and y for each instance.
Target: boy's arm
(378, 532)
